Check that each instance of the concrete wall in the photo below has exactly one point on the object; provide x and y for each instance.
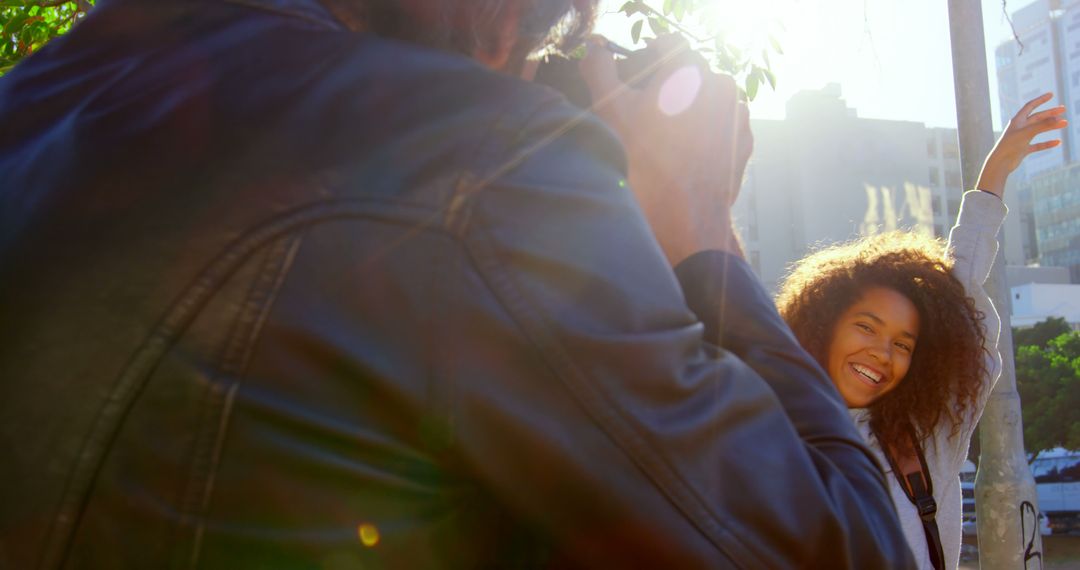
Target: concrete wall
(1023, 275)
(1036, 302)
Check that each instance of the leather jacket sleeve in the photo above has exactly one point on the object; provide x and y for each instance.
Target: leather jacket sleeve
(638, 442)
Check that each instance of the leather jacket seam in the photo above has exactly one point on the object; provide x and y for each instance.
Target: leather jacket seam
(111, 415)
(231, 363)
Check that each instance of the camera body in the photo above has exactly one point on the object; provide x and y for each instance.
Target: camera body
(634, 68)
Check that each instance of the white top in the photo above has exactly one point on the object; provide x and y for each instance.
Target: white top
(974, 244)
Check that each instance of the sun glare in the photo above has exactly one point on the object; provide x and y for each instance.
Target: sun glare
(870, 48)
(752, 27)
(749, 24)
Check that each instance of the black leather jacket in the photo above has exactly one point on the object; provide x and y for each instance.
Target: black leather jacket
(275, 294)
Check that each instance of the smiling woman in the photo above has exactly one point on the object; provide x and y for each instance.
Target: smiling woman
(872, 345)
(899, 334)
(906, 331)
(866, 303)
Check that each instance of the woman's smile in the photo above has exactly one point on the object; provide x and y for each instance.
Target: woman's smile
(872, 345)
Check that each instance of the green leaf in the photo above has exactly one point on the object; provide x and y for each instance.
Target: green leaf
(635, 31)
(39, 31)
(680, 9)
(669, 6)
(658, 26)
(741, 93)
(752, 82)
(775, 45)
(726, 63)
(633, 7)
(15, 25)
(771, 77)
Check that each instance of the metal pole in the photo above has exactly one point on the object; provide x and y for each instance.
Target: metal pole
(1005, 500)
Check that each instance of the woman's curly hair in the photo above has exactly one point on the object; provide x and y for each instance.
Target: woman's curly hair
(947, 366)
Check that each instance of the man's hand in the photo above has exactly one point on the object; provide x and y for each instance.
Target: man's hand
(688, 139)
(1015, 143)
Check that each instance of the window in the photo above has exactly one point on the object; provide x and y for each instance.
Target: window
(952, 179)
(931, 148)
(935, 178)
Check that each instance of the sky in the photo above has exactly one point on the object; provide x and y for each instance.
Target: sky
(891, 58)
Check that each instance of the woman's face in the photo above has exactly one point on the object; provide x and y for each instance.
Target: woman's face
(872, 346)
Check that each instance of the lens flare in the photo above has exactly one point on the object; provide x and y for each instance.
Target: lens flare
(679, 90)
(369, 535)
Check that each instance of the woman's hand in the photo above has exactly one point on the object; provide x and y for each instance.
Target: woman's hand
(1015, 143)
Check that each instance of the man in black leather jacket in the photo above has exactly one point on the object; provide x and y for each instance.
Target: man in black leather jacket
(276, 292)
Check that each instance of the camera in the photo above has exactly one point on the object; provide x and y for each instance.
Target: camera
(634, 68)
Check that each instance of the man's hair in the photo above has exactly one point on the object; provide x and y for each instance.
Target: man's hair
(471, 26)
(947, 367)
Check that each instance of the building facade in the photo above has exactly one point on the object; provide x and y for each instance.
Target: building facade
(1068, 29)
(947, 188)
(1038, 64)
(1016, 275)
(824, 175)
(1036, 302)
(1056, 209)
(1043, 225)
